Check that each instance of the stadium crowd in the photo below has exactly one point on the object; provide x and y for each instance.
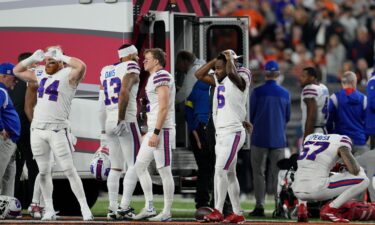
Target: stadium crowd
(333, 35)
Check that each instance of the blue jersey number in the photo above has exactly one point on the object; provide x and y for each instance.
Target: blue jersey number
(220, 97)
(306, 148)
(51, 90)
(114, 82)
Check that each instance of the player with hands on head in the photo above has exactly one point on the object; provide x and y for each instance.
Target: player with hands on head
(119, 87)
(50, 130)
(229, 112)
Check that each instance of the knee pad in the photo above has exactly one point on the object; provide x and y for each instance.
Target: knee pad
(220, 172)
(165, 172)
(140, 167)
(70, 172)
(44, 167)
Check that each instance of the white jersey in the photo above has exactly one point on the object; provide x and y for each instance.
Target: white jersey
(111, 79)
(155, 80)
(230, 103)
(321, 95)
(54, 98)
(319, 155)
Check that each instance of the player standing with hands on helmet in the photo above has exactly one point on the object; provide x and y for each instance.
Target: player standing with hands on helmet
(50, 129)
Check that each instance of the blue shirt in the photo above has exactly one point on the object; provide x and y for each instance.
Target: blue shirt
(347, 115)
(370, 110)
(269, 114)
(9, 119)
(197, 105)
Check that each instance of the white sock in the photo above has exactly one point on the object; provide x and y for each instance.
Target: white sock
(146, 182)
(77, 188)
(168, 188)
(46, 187)
(130, 181)
(113, 188)
(37, 193)
(222, 188)
(234, 192)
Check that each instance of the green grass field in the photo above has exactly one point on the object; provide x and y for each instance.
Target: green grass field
(182, 207)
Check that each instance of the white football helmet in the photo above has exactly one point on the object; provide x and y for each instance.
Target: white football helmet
(10, 207)
(100, 164)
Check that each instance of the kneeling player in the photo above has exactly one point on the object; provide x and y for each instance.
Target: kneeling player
(312, 181)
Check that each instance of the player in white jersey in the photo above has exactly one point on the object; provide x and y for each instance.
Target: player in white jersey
(229, 112)
(119, 84)
(160, 138)
(50, 128)
(312, 180)
(314, 103)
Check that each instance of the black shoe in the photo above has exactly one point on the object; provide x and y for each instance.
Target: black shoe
(257, 212)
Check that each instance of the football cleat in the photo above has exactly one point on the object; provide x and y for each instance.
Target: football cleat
(49, 215)
(234, 218)
(87, 215)
(145, 213)
(35, 210)
(111, 215)
(161, 218)
(127, 213)
(257, 212)
(302, 214)
(215, 216)
(331, 214)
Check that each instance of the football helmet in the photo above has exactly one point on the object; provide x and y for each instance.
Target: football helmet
(100, 164)
(10, 207)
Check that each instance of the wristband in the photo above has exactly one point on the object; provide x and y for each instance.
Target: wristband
(156, 131)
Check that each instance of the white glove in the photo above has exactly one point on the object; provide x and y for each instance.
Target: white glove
(121, 128)
(57, 55)
(103, 140)
(36, 57)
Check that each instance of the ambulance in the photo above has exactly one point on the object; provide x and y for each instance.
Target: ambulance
(92, 30)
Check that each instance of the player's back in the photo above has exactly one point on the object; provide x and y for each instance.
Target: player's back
(319, 155)
(231, 105)
(321, 95)
(54, 97)
(111, 79)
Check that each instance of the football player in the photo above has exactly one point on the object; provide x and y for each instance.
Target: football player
(160, 138)
(229, 112)
(314, 103)
(50, 129)
(119, 84)
(312, 178)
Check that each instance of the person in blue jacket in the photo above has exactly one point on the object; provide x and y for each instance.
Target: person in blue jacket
(347, 113)
(370, 110)
(10, 129)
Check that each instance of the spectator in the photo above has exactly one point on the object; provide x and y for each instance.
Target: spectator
(335, 57)
(347, 111)
(370, 111)
(269, 114)
(10, 129)
(362, 47)
(23, 153)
